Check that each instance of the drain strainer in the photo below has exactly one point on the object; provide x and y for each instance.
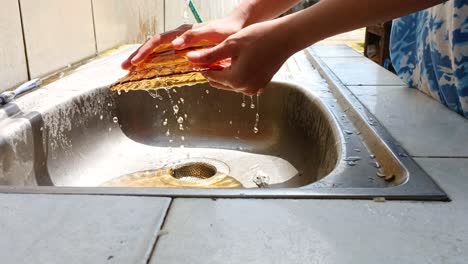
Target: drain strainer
(193, 171)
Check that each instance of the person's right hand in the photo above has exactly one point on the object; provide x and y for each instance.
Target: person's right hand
(185, 36)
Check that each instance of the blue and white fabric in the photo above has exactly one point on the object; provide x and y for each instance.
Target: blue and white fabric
(429, 51)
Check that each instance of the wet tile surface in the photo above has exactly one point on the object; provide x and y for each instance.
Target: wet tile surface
(334, 51)
(322, 231)
(422, 125)
(361, 71)
(78, 229)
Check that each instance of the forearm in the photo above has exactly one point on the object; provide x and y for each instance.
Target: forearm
(331, 17)
(254, 11)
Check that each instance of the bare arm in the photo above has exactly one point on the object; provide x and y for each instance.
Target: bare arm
(252, 47)
(330, 17)
(254, 11)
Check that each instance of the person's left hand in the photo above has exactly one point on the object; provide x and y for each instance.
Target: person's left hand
(257, 53)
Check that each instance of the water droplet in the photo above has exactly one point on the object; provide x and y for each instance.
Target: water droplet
(119, 92)
(353, 158)
(165, 122)
(101, 117)
(115, 119)
(230, 122)
(176, 109)
(252, 105)
(257, 119)
(182, 100)
(168, 133)
(207, 91)
(185, 115)
(110, 129)
(380, 173)
(348, 132)
(181, 127)
(351, 163)
(170, 140)
(109, 104)
(180, 120)
(357, 150)
(182, 138)
(156, 106)
(372, 156)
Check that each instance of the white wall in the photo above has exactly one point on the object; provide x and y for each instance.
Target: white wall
(178, 13)
(61, 32)
(13, 68)
(126, 21)
(57, 32)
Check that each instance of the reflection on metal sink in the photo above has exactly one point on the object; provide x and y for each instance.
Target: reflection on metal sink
(293, 142)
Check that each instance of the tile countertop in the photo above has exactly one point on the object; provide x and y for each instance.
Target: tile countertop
(106, 229)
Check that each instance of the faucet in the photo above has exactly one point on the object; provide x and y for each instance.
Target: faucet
(9, 96)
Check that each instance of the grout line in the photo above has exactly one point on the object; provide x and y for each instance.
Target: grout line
(164, 16)
(24, 41)
(153, 247)
(440, 157)
(94, 28)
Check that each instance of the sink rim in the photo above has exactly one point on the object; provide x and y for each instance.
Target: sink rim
(409, 190)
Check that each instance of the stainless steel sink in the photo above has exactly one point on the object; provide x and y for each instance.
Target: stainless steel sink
(302, 141)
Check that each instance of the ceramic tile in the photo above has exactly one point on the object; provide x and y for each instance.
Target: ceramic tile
(335, 51)
(360, 71)
(422, 125)
(13, 69)
(57, 33)
(126, 21)
(78, 229)
(322, 231)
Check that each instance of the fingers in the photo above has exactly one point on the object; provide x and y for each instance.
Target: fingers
(146, 49)
(214, 54)
(191, 37)
(127, 64)
(142, 52)
(219, 86)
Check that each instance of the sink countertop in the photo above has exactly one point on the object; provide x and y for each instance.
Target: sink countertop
(119, 229)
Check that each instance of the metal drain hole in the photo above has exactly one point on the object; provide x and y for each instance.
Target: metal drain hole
(193, 171)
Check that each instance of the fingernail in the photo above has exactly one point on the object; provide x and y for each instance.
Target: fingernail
(178, 42)
(194, 54)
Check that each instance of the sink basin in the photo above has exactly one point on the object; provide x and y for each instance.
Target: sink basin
(295, 140)
(87, 144)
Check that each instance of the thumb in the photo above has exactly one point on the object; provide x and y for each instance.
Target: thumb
(214, 54)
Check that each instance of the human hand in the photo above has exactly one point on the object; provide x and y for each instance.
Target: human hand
(257, 52)
(185, 36)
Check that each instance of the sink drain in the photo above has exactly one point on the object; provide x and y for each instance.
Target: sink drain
(194, 171)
